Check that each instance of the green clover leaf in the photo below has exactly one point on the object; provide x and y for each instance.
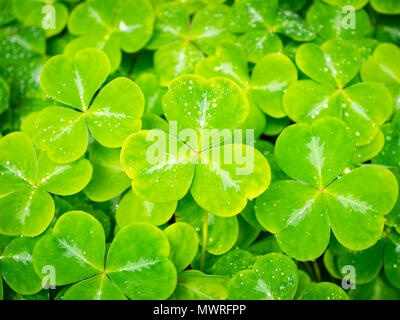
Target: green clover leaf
(217, 235)
(390, 154)
(133, 209)
(21, 43)
(232, 262)
(333, 21)
(132, 268)
(26, 208)
(325, 291)
(195, 285)
(183, 242)
(109, 179)
(33, 13)
(153, 93)
(366, 263)
(196, 104)
(16, 266)
(63, 132)
(259, 22)
(379, 289)
(268, 81)
(181, 43)
(111, 26)
(382, 68)
(273, 277)
(386, 7)
(357, 4)
(392, 259)
(338, 62)
(301, 212)
(304, 284)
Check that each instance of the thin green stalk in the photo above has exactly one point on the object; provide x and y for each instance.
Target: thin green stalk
(309, 270)
(205, 238)
(317, 271)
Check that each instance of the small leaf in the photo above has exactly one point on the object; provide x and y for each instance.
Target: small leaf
(175, 59)
(367, 263)
(315, 154)
(221, 232)
(63, 179)
(241, 174)
(16, 266)
(232, 262)
(209, 27)
(111, 120)
(357, 4)
(197, 103)
(152, 168)
(258, 43)
(81, 76)
(24, 209)
(304, 284)
(273, 277)
(183, 242)
(270, 78)
(390, 154)
(386, 7)
(382, 67)
(335, 22)
(134, 21)
(109, 179)
(138, 263)
(252, 14)
(63, 133)
(379, 289)
(149, 84)
(102, 41)
(75, 248)
(356, 212)
(325, 291)
(229, 61)
(335, 63)
(293, 26)
(195, 285)
(295, 213)
(392, 260)
(367, 152)
(133, 209)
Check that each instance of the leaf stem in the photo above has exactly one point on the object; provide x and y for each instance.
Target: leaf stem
(205, 238)
(317, 271)
(309, 270)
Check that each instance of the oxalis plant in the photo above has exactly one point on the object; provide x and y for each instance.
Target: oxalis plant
(198, 149)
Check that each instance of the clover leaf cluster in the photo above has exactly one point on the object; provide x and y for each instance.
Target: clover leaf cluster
(299, 99)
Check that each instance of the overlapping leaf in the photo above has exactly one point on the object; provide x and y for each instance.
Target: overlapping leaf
(315, 155)
(63, 132)
(26, 208)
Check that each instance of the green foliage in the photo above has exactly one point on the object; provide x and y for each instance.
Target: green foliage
(130, 269)
(315, 155)
(259, 22)
(26, 208)
(199, 149)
